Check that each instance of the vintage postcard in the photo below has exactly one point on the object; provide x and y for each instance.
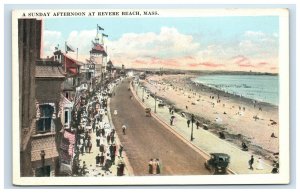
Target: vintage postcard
(150, 97)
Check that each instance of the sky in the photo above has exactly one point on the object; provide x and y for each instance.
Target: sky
(233, 43)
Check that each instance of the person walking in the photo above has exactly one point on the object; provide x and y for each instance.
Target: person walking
(120, 168)
(112, 138)
(150, 166)
(120, 151)
(112, 150)
(102, 132)
(84, 168)
(154, 170)
(188, 122)
(108, 138)
(101, 159)
(107, 163)
(98, 141)
(157, 166)
(124, 129)
(101, 148)
(97, 160)
(197, 124)
(251, 161)
(172, 120)
(259, 164)
(86, 145)
(81, 147)
(90, 146)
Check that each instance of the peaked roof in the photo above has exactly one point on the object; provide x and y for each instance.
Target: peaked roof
(109, 62)
(98, 48)
(71, 64)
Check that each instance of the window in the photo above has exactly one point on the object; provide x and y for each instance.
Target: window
(66, 116)
(44, 123)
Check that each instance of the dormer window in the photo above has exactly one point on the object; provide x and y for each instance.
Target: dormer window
(57, 58)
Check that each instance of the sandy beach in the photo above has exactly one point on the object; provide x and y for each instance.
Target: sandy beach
(239, 118)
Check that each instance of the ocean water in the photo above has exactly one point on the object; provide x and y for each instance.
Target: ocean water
(257, 87)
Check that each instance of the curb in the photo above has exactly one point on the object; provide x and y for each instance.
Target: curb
(203, 153)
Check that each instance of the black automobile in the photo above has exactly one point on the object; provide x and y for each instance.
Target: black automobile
(218, 163)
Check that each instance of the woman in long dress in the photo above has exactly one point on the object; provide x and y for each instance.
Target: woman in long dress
(157, 166)
(154, 164)
(150, 166)
(259, 164)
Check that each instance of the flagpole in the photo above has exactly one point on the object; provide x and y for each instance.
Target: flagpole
(106, 59)
(65, 56)
(97, 28)
(77, 54)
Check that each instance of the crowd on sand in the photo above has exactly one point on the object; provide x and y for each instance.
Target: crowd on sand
(250, 124)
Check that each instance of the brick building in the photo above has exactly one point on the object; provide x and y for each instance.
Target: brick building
(49, 78)
(29, 44)
(40, 89)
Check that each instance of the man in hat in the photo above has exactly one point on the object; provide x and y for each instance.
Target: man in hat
(124, 129)
(251, 161)
(120, 150)
(97, 160)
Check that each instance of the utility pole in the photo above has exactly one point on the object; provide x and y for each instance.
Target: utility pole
(155, 103)
(193, 120)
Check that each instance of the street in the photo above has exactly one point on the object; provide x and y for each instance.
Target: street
(146, 138)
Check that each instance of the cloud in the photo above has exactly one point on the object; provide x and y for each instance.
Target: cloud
(206, 64)
(258, 44)
(242, 61)
(50, 40)
(245, 63)
(170, 48)
(163, 47)
(83, 41)
(262, 63)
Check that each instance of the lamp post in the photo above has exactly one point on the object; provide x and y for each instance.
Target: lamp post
(42, 154)
(193, 120)
(143, 94)
(155, 102)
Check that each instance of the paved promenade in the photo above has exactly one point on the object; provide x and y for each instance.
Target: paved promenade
(203, 139)
(146, 138)
(94, 170)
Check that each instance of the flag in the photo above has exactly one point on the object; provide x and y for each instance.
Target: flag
(100, 27)
(104, 35)
(56, 48)
(69, 48)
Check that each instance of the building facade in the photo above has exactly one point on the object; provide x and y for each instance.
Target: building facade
(29, 44)
(46, 137)
(98, 57)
